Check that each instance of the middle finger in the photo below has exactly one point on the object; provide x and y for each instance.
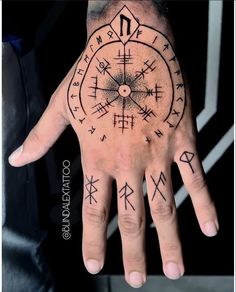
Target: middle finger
(132, 227)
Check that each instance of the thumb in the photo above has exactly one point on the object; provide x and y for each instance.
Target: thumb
(41, 137)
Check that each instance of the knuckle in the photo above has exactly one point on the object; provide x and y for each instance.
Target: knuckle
(93, 159)
(198, 182)
(136, 258)
(93, 248)
(36, 138)
(170, 248)
(95, 215)
(124, 161)
(163, 212)
(207, 206)
(130, 225)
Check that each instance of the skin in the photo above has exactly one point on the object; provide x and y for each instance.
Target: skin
(128, 158)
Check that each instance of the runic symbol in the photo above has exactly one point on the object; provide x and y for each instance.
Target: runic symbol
(180, 99)
(127, 191)
(161, 180)
(103, 138)
(123, 121)
(173, 59)
(147, 69)
(148, 140)
(128, 21)
(179, 85)
(91, 189)
(95, 87)
(75, 108)
(187, 157)
(102, 108)
(146, 113)
(170, 125)
(80, 71)
(92, 130)
(81, 120)
(159, 133)
(177, 72)
(166, 47)
(103, 66)
(150, 66)
(124, 58)
(151, 92)
(175, 113)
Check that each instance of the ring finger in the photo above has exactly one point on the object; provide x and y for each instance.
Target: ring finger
(163, 211)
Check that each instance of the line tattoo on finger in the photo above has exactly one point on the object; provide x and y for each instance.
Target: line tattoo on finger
(126, 191)
(91, 189)
(161, 180)
(187, 157)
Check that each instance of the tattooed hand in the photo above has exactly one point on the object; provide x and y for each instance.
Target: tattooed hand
(129, 106)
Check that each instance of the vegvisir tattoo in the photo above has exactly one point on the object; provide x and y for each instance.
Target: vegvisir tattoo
(91, 189)
(114, 81)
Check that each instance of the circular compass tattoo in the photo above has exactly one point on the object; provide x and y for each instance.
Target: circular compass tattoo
(130, 76)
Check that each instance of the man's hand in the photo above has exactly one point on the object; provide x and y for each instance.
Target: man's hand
(129, 105)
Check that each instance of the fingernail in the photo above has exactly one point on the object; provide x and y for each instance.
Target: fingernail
(211, 228)
(15, 154)
(136, 279)
(172, 271)
(93, 266)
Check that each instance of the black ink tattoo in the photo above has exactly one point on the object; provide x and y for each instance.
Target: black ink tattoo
(175, 113)
(179, 85)
(91, 189)
(180, 99)
(151, 92)
(154, 39)
(128, 21)
(92, 130)
(94, 87)
(148, 68)
(166, 47)
(125, 58)
(159, 133)
(146, 113)
(187, 157)
(76, 108)
(124, 122)
(161, 180)
(103, 66)
(127, 191)
(103, 138)
(80, 71)
(127, 84)
(81, 120)
(148, 140)
(173, 59)
(102, 108)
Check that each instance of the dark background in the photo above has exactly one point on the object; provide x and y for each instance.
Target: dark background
(58, 43)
